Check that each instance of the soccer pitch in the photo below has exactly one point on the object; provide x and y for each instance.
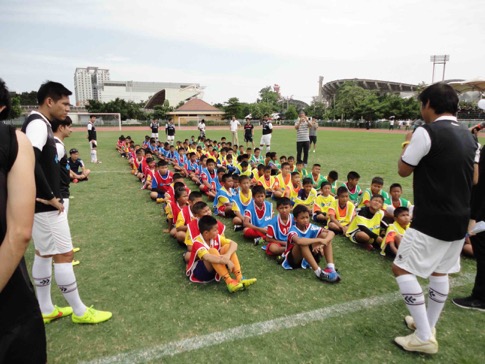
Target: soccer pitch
(130, 267)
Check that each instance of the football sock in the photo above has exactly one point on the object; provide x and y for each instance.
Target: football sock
(412, 294)
(331, 266)
(66, 281)
(439, 286)
(318, 271)
(94, 157)
(42, 275)
(237, 267)
(220, 269)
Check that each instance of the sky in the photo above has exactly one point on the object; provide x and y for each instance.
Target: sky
(235, 48)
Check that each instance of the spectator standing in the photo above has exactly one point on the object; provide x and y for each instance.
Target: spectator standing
(313, 134)
(234, 125)
(93, 139)
(154, 125)
(302, 127)
(201, 127)
(267, 131)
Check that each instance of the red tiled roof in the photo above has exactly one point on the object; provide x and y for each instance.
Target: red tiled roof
(197, 105)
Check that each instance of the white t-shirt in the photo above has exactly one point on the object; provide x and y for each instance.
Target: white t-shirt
(37, 131)
(234, 124)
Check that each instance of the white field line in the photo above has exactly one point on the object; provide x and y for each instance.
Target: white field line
(258, 328)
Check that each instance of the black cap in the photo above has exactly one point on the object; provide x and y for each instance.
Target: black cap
(73, 150)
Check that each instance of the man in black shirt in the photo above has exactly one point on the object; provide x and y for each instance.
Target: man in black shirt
(248, 132)
(440, 154)
(170, 132)
(93, 139)
(154, 126)
(22, 332)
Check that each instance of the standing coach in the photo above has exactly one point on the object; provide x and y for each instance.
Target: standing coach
(441, 156)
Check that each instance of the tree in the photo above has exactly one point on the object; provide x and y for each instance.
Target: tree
(233, 107)
(268, 96)
(15, 110)
(316, 109)
(291, 113)
(161, 111)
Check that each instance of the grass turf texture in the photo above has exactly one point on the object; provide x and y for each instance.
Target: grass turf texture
(128, 266)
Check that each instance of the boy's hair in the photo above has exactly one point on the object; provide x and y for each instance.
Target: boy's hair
(225, 177)
(291, 158)
(333, 175)
(179, 191)
(326, 183)
(149, 160)
(178, 185)
(255, 149)
(194, 195)
(92, 116)
(399, 210)
(442, 98)
(395, 185)
(283, 201)
(4, 100)
(353, 175)
(295, 173)
(177, 176)
(243, 178)
(54, 90)
(299, 162)
(261, 167)
(162, 163)
(283, 157)
(268, 155)
(206, 223)
(267, 168)
(258, 190)
(229, 157)
(342, 189)
(210, 160)
(317, 165)
(378, 181)
(198, 206)
(273, 154)
(377, 196)
(56, 123)
(239, 158)
(307, 181)
(221, 170)
(284, 164)
(244, 164)
(300, 209)
(140, 151)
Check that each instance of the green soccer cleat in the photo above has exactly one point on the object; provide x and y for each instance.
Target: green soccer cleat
(234, 286)
(247, 282)
(75, 250)
(56, 314)
(92, 316)
(75, 262)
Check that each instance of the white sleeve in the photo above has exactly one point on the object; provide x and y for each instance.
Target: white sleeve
(90, 126)
(61, 152)
(270, 125)
(419, 146)
(37, 133)
(477, 153)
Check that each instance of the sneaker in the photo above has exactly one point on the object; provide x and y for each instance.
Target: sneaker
(75, 262)
(160, 200)
(258, 241)
(279, 259)
(238, 228)
(305, 264)
(286, 265)
(329, 275)
(75, 250)
(469, 303)
(92, 316)
(409, 320)
(57, 313)
(264, 247)
(247, 282)
(413, 343)
(234, 286)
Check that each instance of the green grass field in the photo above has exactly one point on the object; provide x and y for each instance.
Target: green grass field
(128, 266)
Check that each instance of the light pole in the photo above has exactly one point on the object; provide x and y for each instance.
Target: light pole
(441, 59)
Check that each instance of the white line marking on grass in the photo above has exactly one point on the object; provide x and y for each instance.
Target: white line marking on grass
(258, 328)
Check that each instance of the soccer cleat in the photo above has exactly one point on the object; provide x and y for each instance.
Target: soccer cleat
(56, 314)
(413, 343)
(469, 303)
(234, 286)
(247, 282)
(264, 247)
(75, 250)
(160, 200)
(286, 265)
(409, 320)
(92, 316)
(258, 241)
(238, 227)
(75, 262)
(305, 264)
(329, 275)
(279, 259)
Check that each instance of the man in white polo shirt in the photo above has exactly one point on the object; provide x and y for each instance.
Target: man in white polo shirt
(234, 125)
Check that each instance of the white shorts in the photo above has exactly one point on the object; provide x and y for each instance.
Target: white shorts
(265, 139)
(170, 138)
(155, 135)
(93, 144)
(51, 233)
(66, 205)
(422, 255)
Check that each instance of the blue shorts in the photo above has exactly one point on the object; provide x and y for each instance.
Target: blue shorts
(202, 274)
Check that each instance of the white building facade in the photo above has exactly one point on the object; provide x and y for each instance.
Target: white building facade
(87, 82)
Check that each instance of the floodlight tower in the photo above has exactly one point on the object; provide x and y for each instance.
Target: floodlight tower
(441, 59)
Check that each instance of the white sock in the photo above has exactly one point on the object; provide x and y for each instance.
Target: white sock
(94, 157)
(318, 271)
(66, 280)
(268, 148)
(42, 275)
(331, 266)
(412, 294)
(439, 286)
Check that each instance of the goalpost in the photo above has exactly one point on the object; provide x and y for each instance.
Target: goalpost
(102, 118)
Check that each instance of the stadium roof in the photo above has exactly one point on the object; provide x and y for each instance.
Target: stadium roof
(197, 106)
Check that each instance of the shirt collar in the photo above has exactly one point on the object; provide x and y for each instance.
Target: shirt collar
(447, 117)
(43, 117)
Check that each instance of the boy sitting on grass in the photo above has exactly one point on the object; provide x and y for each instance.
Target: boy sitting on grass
(278, 228)
(322, 203)
(257, 215)
(214, 257)
(208, 179)
(224, 197)
(186, 216)
(307, 195)
(341, 212)
(283, 179)
(366, 226)
(317, 178)
(307, 243)
(174, 207)
(395, 232)
(333, 179)
(375, 189)
(240, 201)
(353, 187)
(268, 181)
(162, 180)
(397, 201)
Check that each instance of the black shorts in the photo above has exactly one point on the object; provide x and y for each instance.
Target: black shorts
(313, 139)
(202, 274)
(295, 265)
(25, 343)
(248, 138)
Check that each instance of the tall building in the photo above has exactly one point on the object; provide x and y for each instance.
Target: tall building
(87, 83)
